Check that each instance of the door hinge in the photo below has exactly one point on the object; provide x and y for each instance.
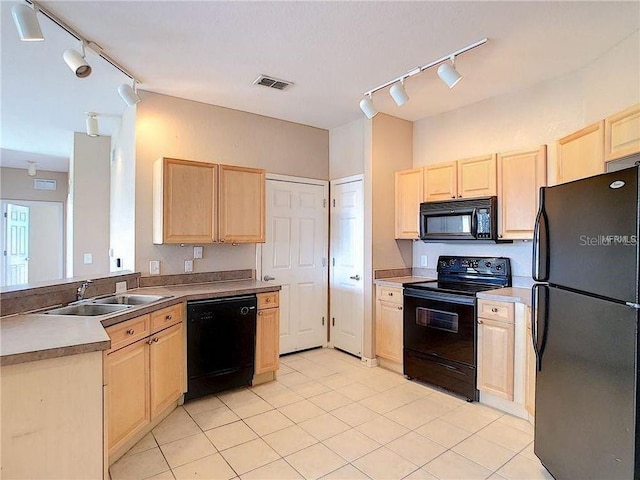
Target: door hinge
(333, 263)
(5, 253)
(324, 203)
(5, 214)
(323, 321)
(333, 321)
(324, 262)
(334, 202)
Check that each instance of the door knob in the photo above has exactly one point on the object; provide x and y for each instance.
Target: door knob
(266, 278)
(355, 277)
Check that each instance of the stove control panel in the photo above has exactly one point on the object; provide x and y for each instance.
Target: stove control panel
(491, 266)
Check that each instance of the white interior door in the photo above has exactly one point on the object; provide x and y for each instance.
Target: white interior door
(295, 256)
(16, 245)
(347, 263)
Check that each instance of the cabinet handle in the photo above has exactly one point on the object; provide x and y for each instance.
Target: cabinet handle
(494, 310)
(222, 240)
(155, 340)
(459, 196)
(500, 236)
(399, 308)
(149, 342)
(390, 294)
(268, 300)
(260, 313)
(453, 196)
(168, 318)
(480, 322)
(131, 331)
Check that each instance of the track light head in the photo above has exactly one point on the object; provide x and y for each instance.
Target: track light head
(398, 93)
(448, 73)
(128, 94)
(26, 21)
(92, 124)
(76, 63)
(367, 107)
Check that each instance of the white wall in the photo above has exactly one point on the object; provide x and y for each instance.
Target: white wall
(173, 127)
(347, 149)
(538, 115)
(122, 194)
(89, 171)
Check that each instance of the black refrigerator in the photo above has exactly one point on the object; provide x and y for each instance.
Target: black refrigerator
(585, 327)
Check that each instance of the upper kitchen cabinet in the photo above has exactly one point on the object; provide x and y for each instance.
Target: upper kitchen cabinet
(581, 154)
(408, 197)
(242, 204)
(520, 176)
(477, 177)
(622, 133)
(440, 181)
(184, 201)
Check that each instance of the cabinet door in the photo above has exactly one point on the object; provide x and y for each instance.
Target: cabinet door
(408, 197)
(622, 133)
(166, 367)
(389, 331)
(127, 392)
(520, 176)
(267, 340)
(530, 379)
(477, 177)
(184, 201)
(242, 203)
(495, 357)
(440, 182)
(581, 154)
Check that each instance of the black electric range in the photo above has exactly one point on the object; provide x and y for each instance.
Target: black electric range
(440, 331)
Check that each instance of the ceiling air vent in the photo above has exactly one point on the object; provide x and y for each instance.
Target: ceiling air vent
(272, 82)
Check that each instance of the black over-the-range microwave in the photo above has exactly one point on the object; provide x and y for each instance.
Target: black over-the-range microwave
(461, 219)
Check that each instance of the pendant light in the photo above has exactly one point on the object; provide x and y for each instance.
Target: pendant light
(27, 24)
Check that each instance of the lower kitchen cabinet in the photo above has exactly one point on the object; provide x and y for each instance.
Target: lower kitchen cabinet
(495, 354)
(389, 318)
(143, 378)
(267, 360)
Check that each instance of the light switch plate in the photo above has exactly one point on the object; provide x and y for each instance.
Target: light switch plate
(154, 267)
(197, 252)
(423, 260)
(88, 259)
(188, 266)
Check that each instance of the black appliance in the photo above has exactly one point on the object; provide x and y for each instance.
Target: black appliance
(221, 339)
(461, 219)
(585, 327)
(440, 322)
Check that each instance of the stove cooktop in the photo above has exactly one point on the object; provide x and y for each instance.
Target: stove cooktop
(454, 287)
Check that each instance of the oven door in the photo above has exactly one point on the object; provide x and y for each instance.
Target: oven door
(441, 325)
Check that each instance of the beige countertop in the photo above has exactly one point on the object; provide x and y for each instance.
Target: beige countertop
(400, 281)
(36, 336)
(508, 294)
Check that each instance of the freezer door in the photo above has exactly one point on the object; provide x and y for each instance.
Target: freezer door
(585, 424)
(587, 235)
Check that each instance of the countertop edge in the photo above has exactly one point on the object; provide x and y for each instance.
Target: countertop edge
(508, 294)
(33, 356)
(400, 281)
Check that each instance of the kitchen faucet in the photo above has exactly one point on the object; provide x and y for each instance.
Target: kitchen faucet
(82, 289)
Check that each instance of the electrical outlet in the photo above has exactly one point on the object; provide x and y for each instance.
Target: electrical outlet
(121, 287)
(423, 260)
(188, 266)
(197, 252)
(88, 259)
(154, 267)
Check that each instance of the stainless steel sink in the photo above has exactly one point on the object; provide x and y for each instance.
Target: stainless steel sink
(88, 309)
(125, 299)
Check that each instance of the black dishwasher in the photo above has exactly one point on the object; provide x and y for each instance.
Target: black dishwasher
(221, 339)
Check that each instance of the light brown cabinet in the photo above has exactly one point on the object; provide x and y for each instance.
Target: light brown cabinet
(440, 181)
(520, 175)
(389, 329)
(408, 192)
(197, 202)
(581, 154)
(477, 177)
(530, 375)
(496, 340)
(622, 133)
(267, 334)
(242, 204)
(143, 376)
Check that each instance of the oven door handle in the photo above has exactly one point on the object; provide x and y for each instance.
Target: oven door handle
(442, 297)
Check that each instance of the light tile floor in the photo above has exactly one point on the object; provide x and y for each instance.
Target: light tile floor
(328, 416)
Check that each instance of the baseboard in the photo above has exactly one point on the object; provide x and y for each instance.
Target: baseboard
(369, 362)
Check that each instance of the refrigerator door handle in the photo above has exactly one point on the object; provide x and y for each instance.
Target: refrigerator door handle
(541, 243)
(536, 313)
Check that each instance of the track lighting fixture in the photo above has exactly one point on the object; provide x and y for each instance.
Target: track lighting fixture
(76, 62)
(398, 93)
(129, 94)
(31, 169)
(446, 71)
(367, 106)
(26, 20)
(92, 124)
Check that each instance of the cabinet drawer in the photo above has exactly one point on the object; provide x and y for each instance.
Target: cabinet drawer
(503, 311)
(166, 317)
(125, 333)
(389, 294)
(267, 300)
